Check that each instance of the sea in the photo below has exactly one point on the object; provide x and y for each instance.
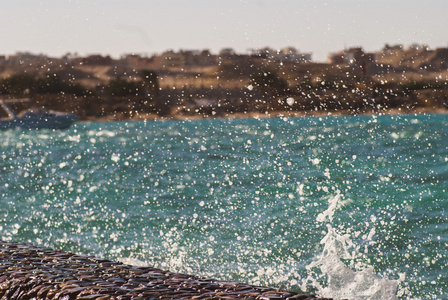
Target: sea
(350, 207)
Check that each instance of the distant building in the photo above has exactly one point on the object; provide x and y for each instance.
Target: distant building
(337, 58)
(131, 60)
(418, 47)
(285, 54)
(27, 58)
(392, 50)
(199, 57)
(140, 61)
(292, 54)
(69, 58)
(265, 52)
(226, 54)
(188, 58)
(436, 60)
(207, 58)
(355, 58)
(352, 56)
(173, 59)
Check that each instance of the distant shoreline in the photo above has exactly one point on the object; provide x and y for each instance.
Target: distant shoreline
(198, 85)
(259, 115)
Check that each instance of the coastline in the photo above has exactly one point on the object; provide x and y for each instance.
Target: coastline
(259, 115)
(29, 272)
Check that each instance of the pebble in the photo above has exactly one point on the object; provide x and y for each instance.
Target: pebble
(29, 272)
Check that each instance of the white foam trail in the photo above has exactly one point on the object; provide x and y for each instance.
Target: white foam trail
(333, 204)
(342, 282)
(132, 261)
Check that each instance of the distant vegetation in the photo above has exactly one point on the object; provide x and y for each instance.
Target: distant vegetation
(26, 85)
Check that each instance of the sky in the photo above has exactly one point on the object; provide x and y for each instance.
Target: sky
(113, 27)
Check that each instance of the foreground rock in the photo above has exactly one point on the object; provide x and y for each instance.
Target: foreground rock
(28, 272)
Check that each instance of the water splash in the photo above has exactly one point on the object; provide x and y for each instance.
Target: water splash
(333, 278)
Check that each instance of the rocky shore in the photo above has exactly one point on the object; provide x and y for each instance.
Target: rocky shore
(29, 272)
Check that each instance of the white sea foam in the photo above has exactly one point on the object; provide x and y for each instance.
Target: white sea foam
(133, 261)
(333, 278)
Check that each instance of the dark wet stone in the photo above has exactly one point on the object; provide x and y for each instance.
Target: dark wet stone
(94, 296)
(42, 293)
(28, 272)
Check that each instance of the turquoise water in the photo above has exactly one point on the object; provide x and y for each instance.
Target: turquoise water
(253, 200)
